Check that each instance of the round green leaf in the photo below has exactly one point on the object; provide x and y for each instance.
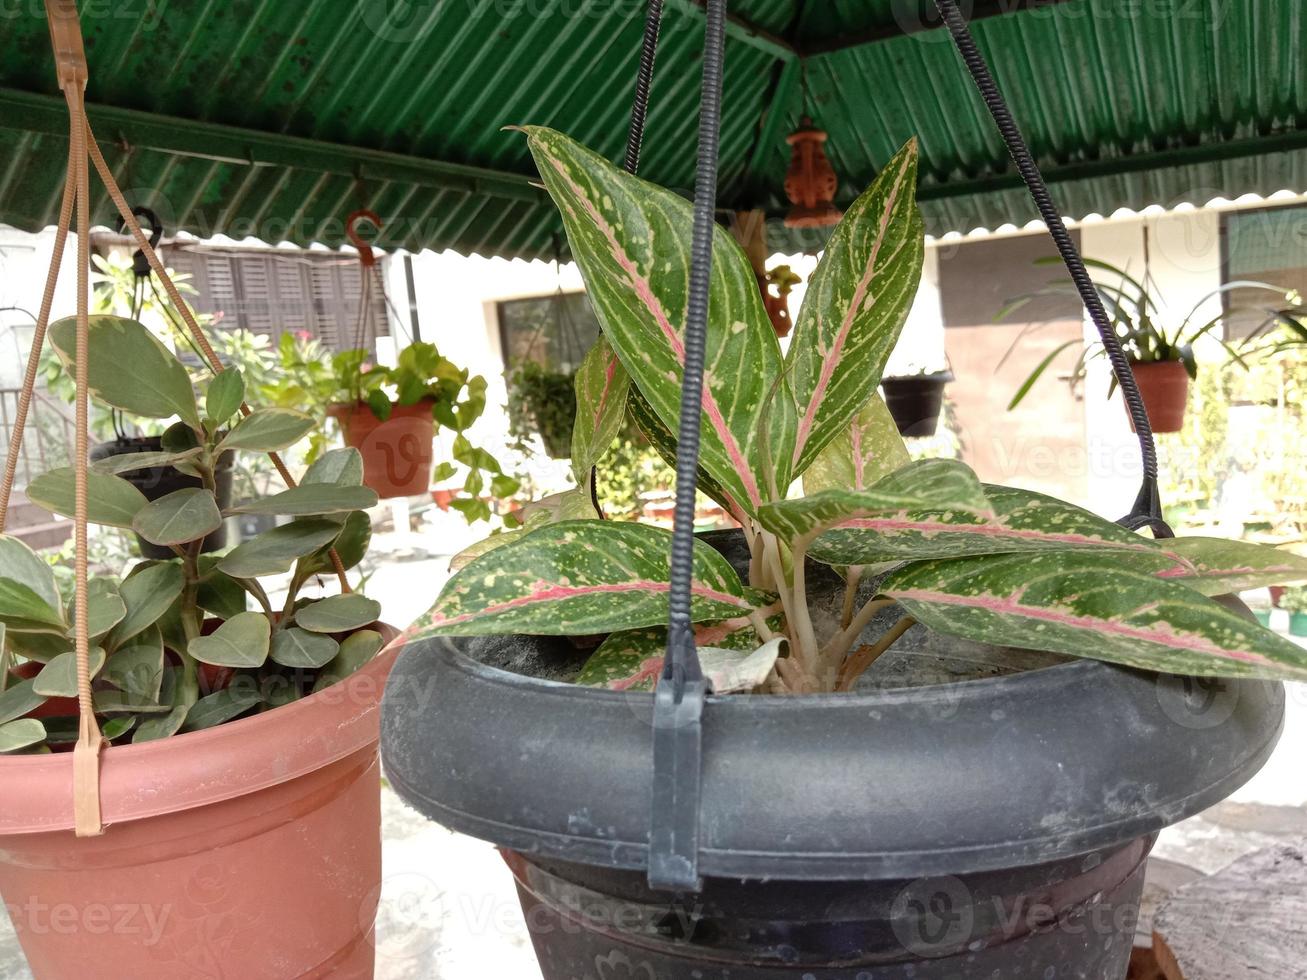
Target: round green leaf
(242, 641)
(357, 651)
(310, 500)
(338, 613)
(268, 430)
(147, 593)
(110, 500)
(129, 368)
(339, 467)
(298, 648)
(222, 706)
(180, 517)
(17, 700)
(29, 596)
(21, 734)
(58, 678)
(274, 551)
(225, 395)
(137, 669)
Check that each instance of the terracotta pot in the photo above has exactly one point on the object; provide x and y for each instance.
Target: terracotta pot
(249, 850)
(1164, 386)
(398, 454)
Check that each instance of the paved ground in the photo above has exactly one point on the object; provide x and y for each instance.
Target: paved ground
(449, 911)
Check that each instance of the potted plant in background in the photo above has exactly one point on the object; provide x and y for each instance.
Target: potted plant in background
(915, 398)
(541, 402)
(240, 790)
(390, 415)
(1295, 602)
(1162, 357)
(825, 820)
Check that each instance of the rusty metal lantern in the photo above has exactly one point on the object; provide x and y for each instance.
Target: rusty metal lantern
(811, 182)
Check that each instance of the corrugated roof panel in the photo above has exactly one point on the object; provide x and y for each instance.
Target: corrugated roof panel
(1124, 106)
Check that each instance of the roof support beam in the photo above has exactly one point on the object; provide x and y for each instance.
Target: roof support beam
(739, 29)
(33, 113)
(912, 24)
(1216, 152)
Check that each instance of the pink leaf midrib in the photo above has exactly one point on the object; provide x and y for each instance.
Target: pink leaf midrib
(832, 356)
(1186, 642)
(545, 592)
(644, 290)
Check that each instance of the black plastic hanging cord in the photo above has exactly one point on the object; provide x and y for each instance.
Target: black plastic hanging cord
(682, 690)
(643, 82)
(1147, 511)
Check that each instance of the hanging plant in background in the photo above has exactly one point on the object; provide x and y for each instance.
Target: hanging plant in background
(541, 403)
(1162, 356)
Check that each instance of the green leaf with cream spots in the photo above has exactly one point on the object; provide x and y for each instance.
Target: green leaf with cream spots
(601, 387)
(1086, 604)
(631, 240)
(1215, 566)
(579, 578)
(855, 307)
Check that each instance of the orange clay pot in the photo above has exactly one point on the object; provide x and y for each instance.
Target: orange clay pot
(398, 454)
(251, 850)
(1164, 386)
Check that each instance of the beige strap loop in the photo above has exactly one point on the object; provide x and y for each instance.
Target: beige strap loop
(86, 753)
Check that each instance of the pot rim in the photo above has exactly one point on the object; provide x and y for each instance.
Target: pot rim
(971, 776)
(198, 769)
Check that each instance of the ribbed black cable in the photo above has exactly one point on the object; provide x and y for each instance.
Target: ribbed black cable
(643, 82)
(682, 662)
(1147, 508)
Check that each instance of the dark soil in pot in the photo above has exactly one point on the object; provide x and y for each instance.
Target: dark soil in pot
(159, 481)
(967, 812)
(916, 402)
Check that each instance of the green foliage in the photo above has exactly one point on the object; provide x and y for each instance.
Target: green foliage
(541, 403)
(990, 564)
(1295, 600)
(1139, 318)
(151, 631)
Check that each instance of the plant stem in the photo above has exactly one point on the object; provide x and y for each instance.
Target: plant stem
(254, 588)
(760, 626)
(834, 651)
(804, 634)
(856, 665)
(852, 579)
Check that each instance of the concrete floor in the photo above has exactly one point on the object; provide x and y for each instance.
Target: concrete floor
(448, 908)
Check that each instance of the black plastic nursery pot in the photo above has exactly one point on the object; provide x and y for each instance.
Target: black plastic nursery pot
(995, 827)
(159, 481)
(916, 402)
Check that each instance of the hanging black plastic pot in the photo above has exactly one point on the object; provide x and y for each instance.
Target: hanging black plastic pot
(982, 828)
(159, 481)
(916, 401)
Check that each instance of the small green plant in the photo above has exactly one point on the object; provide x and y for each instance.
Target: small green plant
(175, 645)
(927, 538)
(352, 381)
(1137, 318)
(1295, 600)
(541, 403)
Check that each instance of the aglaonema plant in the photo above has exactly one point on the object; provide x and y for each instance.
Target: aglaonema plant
(175, 646)
(986, 563)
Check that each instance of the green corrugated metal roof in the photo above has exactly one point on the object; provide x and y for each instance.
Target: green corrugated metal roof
(276, 119)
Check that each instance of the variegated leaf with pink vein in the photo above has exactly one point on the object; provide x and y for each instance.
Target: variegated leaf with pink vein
(855, 307)
(866, 450)
(1086, 604)
(601, 387)
(579, 578)
(631, 240)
